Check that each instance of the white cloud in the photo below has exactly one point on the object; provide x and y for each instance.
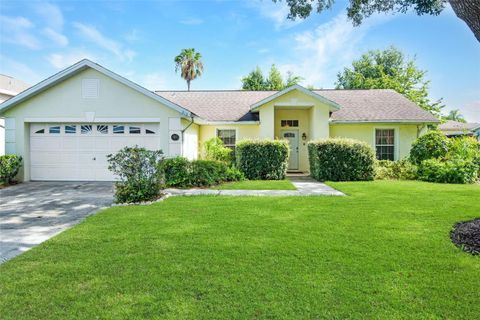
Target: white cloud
(471, 111)
(115, 47)
(18, 70)
(56, 37)
(192, 21)
(19, 31)
(63, 60)
(154, 81)
(51, 14)
(276, 12)
(319, 54)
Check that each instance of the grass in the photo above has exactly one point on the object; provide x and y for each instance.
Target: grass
(383, 252)
(257, 185)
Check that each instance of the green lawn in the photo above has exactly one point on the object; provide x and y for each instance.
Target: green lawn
(257, 185)
(383, 252)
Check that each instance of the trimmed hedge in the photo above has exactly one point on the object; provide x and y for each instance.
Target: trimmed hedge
(400, 170)
(262, 159)
(448, 171)
(433, 144)
(340, 159)
(181, 173)
(9, 166)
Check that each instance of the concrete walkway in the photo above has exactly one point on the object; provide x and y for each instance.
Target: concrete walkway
(33, 212)
(306, 186)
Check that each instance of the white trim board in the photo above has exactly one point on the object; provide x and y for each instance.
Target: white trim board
(333, 105)
(95, 120)
(74, 69)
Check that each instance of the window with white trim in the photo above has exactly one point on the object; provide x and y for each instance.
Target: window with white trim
(228, 137)
(385, 144)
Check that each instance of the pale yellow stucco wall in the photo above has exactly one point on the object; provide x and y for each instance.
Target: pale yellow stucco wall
(405, 134)
(64, 100)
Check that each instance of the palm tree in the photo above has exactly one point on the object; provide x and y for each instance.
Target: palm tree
(190, 64)
(455, 115)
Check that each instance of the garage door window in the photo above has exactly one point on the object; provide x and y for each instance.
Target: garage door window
(54, 129)
(40, 131)
(70, 129)
(134, 130)
(118, 129)
(103, 129)
(86, 129)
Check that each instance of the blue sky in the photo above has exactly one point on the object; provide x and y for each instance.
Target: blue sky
(139, 40)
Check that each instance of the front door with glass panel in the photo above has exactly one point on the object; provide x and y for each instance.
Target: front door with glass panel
(292, 137)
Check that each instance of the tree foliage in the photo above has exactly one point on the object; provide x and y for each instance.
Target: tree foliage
(455, 115)
(389, 69)
(357, 10)
(189, 62)
(256, 81)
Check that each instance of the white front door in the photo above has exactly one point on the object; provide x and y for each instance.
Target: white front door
(74, 151)
(292, 137)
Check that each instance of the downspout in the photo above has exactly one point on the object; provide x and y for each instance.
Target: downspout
(183, 133)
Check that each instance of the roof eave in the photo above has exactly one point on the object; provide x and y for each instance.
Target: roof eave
(410, 121)
(74, 69)
(333, 105)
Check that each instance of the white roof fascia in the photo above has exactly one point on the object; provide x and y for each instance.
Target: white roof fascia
(81, 65)
(333, 106)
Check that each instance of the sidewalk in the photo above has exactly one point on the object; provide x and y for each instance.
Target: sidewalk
(306, 186)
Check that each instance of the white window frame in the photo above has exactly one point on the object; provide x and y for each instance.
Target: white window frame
(396, 131)
(236, 135)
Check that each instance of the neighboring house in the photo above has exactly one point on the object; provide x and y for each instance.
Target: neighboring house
(454, 128)
(9, 87)
(66, 125)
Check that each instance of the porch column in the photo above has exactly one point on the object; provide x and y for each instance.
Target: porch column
(267, 122)
(320, 128)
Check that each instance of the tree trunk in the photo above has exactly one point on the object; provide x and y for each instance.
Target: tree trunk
(188, 85)
(469, 12)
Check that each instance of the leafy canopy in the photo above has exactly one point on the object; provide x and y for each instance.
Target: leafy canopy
(389, 69)
(189, 62)
(256, 81)
(455, 115)
(357, 10)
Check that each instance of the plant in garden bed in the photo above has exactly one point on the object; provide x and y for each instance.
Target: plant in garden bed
(9, 166)
(215, 150)
(179, 172)
(341, 160)
(262, 159)
(401, 170)
(137, 169)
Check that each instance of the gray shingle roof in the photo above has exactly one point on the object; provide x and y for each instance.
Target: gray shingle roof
(356, 105)
(451, 125)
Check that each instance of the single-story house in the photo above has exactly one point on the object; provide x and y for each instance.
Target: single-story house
(454, 129)
(64, 126)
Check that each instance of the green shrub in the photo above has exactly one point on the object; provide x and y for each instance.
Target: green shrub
(262, 159)
(137, 169)
(341, 160)
(215, 150)
(448, 171)
(432, 145)
(176, 172)
(181, 173)
(400, 170)
(9, 166)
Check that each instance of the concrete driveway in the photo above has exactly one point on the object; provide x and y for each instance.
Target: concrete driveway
(33, 212)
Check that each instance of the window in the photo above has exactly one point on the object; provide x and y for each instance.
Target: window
(86, 129)
(148, 131)
(289, 123)
(70, 129)
(103, 129)
(385, 144)
(118, 129)
(40, 131)
(228, 137)
(54, 129)
(134, 130)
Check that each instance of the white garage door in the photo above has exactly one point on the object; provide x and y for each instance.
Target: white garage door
(75, 152)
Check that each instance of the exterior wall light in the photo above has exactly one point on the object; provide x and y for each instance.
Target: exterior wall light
(304, 136)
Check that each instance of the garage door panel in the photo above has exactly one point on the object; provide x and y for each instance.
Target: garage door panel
(81, 155)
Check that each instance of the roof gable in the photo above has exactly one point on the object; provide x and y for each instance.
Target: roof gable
(333, 106)
(73, 70)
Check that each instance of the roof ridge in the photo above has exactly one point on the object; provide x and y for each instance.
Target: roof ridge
(240, 90)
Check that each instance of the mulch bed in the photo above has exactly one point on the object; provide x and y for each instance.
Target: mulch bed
(466, 235)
